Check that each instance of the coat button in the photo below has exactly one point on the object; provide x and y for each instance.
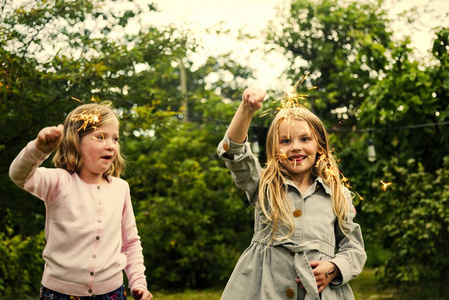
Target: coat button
(225, 146)
(290, 294)
(297, 213)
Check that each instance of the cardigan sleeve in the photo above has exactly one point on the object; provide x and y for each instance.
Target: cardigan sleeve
(351, 256)
(132, 248)
(244, 166)
(26, 173)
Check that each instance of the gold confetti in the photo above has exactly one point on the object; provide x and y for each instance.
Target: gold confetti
(360, 197)
(385, 185)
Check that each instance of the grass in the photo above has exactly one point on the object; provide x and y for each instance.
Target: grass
(364, 287)
(190, 295)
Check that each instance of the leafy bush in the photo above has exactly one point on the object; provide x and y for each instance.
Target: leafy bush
(193, 221)
(21, 263)
(413, 222)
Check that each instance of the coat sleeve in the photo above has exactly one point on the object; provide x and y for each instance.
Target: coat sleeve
(350, 256)
(131, 247)
(244, 166)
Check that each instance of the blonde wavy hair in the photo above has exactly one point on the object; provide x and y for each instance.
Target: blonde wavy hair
(272, 186)
(81, 121)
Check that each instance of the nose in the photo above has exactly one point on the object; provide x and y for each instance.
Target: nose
(109, 144)
(296, 145)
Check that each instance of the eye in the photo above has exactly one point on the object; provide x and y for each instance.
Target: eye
(116, 139)
(284, 141)
(306, 139)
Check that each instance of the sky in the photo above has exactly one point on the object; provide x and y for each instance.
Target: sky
(252, 16)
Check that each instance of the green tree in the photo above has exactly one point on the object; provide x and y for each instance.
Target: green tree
(38, 89)
(188, 210)
(343, 45)
(410, 217)
(191, 216)
(370, 87)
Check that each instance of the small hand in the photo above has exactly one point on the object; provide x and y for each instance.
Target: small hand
(49, 138)
(324, 272)
(142, 294)
(252, 98)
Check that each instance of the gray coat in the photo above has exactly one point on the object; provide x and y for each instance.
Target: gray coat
(267, 271)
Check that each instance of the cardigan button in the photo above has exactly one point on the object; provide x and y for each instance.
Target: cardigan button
(89, 291)
(297, 213)
(290, 293)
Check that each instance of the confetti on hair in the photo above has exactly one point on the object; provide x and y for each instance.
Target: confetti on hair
(89, 118)
(292, 98)
(282, 156)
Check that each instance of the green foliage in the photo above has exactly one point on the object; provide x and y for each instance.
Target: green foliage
(410, 94)
(86, 65)
(20, 261)
(194, 231)
(343, 45)
(412, 219)
(188, 209)
(371, 88)
(193, 221)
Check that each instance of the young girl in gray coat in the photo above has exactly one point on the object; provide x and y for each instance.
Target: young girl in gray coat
(305, 243)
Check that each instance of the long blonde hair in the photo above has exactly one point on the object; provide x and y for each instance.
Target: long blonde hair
(272, 186)
(80, 122)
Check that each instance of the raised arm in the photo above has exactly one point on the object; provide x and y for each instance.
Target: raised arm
(49, 138)
(28, 160)
(252, 100)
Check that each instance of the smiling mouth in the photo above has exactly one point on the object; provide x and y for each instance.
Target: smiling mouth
(297, 160)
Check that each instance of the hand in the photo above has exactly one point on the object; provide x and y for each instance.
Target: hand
(324, 272)
(49, 138)
(252, 98)
(142, 294)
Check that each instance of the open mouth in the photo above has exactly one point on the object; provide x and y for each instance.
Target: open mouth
(107, 157)
(297, 159)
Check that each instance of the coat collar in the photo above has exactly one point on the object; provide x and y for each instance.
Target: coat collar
(316, 184)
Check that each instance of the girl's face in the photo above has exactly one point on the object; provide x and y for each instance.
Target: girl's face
(297, 148)
(99, 148)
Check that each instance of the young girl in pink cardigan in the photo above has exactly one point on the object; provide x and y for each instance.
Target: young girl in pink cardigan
(90, 229)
